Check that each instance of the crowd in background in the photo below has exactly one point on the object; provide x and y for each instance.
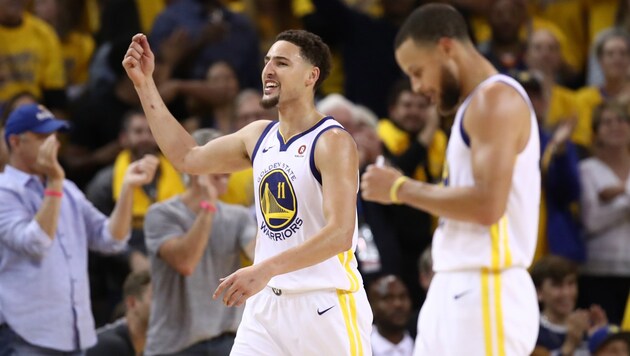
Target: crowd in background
(571, 56)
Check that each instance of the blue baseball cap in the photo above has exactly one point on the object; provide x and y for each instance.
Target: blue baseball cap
(34, 118)
(606, 334)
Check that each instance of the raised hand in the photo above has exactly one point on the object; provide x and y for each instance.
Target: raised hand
(47, 162)
(142, 171)
(139, 61)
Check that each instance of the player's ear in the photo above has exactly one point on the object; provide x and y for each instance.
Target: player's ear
(313, 76)
(446, 45)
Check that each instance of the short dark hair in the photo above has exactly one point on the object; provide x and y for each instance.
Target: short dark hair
(430, 22)
(552, 267)
(136, 284)
(312, 48)
(399, 87)
(127, 116)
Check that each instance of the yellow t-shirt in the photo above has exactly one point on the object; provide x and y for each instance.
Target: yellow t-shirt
(169, 184)
(587, 100)
(397, 141)
(240, 189)
(77, 52)
(30, 59)
(563, 105)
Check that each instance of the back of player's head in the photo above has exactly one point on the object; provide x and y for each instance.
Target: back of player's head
(312, 49)
(430, 22)
(551, 267)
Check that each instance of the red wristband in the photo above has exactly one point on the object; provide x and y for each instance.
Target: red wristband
(207, 206)
(53, 193)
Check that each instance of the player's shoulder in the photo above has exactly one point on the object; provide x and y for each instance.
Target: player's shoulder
(254, 130)
(499, 98)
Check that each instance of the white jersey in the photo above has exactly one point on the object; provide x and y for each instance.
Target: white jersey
(289, 208)
(511, 241)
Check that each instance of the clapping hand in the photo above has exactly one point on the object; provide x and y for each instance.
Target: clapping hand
(142, 171)
(47, 162)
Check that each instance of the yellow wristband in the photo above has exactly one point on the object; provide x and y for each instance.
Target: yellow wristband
(393, 191)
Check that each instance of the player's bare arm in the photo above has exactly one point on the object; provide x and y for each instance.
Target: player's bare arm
(339, 183)
(228, 154)
(498, 124)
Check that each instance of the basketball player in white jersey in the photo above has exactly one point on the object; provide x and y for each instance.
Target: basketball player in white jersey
(304, 293)
(481, 300)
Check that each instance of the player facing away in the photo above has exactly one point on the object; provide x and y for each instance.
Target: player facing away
(304, 293)
(481, 300)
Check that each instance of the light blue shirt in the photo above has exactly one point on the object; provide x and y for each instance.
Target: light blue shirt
(44, 286)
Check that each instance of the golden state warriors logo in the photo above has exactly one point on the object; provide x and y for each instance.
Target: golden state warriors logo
(278, 205)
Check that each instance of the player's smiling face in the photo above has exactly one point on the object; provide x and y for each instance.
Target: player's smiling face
(284, 75)
(426, 66)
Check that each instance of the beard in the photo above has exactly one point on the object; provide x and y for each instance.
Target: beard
(450, 92)
(270, 102)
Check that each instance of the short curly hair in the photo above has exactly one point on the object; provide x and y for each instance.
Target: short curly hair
(312, 48)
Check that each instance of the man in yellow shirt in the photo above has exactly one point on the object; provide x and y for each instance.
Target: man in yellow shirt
(30, 57)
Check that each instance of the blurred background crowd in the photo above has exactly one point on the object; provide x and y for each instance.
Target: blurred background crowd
(572, 57)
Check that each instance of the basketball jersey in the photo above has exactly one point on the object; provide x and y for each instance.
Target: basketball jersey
(289, 208)
(459, 245)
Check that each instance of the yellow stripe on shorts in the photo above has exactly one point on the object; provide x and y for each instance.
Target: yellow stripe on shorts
(486, 311)
(349, 311)
(345, 259)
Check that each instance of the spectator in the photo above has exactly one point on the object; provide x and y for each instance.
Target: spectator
(563, 330)
(413, 143)
(104, 190)
(30, 56)
(248, 108)
(16, 101)
(193, 241)
(621, 21)
(366, 44)
(127, 336)
(209, 33)
(609, 341)
(77, 45)
(543, 58)
(108, 272)
(505, 49)
(220, 112)
(391, 306)
(606, 212)
(612, 50)
(46, 228)
(559, 226)
(97, 119)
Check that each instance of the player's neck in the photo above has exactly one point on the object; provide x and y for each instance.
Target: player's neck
(296, 117)
(395, 336)
(474, 70)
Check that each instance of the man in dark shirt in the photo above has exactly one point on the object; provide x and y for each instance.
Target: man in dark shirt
(127, 336)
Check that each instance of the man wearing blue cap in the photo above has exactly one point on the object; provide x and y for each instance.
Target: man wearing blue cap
(46, 227)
